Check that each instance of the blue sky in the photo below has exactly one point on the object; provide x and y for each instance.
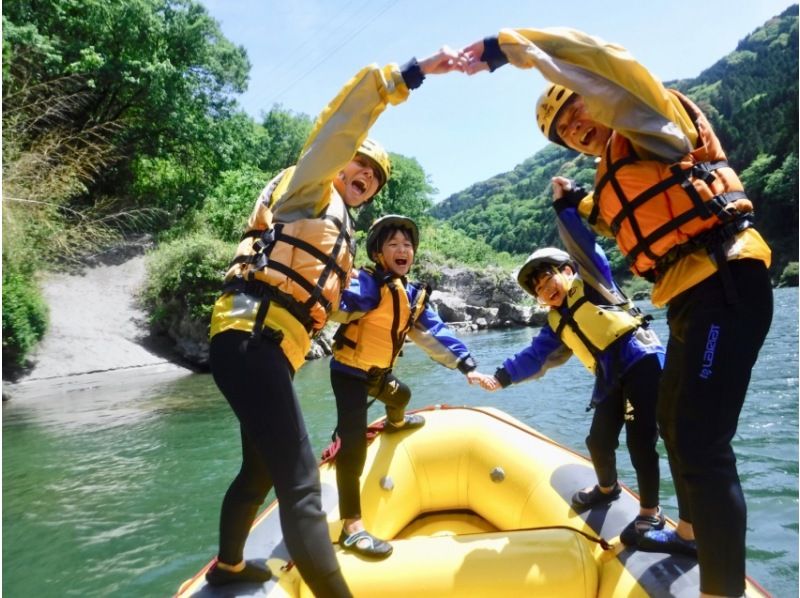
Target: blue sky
(461, 129)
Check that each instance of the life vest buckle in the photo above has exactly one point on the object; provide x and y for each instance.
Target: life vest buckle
(265, 240)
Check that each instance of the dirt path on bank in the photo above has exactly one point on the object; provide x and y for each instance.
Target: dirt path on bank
(96, 326)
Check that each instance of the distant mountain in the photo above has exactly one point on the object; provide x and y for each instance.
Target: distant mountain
(751, 98)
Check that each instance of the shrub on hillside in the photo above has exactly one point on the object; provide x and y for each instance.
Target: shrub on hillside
(789, 276)
(24, 319)
(184, 278)
(230, 202)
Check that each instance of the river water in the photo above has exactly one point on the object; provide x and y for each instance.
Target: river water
(116, 490)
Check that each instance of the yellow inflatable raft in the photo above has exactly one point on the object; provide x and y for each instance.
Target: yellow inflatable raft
(477, 503)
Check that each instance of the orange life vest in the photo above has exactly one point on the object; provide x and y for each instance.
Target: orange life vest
(659, 212)
(301, 265)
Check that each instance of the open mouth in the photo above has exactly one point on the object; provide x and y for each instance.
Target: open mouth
(401, 262)
(359, 185)
(587, 137)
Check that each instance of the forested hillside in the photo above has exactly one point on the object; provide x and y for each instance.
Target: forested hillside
(751, 97)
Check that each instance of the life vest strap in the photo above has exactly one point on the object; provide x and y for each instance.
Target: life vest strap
(340, 338)
(709, 240)
(263, 291)
(568, 319)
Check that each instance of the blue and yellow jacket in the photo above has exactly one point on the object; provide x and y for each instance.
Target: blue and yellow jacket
(378, 311)
(549, 349)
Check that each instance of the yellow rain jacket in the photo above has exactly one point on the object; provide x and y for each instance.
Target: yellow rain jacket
(302, 206)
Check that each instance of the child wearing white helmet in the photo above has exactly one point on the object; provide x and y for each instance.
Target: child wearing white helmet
(592, 319)
(680, 214)
(379, 310)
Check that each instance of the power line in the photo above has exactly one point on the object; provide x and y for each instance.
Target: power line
(314, 35)
(331, 53)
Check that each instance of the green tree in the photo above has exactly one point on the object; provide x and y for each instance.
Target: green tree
(408, 192)
(160, 69)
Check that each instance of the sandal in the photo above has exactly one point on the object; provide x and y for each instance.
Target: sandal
(643, 523)
(585, 499)
(413, 420)
(253, 572)
(365, 544)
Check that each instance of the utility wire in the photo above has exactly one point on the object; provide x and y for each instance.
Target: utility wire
(342, 17)
(331, 53)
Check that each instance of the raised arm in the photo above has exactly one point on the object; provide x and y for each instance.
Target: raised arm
(618, 91)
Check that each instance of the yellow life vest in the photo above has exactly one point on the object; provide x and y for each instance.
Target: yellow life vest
(295, 270)
(376, 339)
(589, 329)
(659, 212)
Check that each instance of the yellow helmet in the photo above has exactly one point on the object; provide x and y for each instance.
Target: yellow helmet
(375, 152)
(393, 221)
(549, 107)
(541, 259)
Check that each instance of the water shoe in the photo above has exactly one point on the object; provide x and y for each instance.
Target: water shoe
(254, 572)
(365, 544)
(666, 540)
(413, 420)
(585, 499)
(640, 525)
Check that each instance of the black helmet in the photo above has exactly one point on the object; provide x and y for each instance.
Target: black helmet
(539, 259)
(390, 221)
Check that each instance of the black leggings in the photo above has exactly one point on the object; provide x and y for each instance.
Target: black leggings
(712, 348)
(257, 382)
(639, 387)
(351, 406)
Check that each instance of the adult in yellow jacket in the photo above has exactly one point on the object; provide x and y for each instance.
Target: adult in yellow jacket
(291, 265)
(680, 215)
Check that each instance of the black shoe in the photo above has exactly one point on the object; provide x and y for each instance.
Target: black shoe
(365, 544)
(666, 540)
(643, 523)
(412, 420)
(253, 572)
(585, 499)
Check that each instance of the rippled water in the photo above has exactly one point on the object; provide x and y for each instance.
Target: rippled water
(117, 490)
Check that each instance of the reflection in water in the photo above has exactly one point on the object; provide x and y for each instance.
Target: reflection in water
(117, 489)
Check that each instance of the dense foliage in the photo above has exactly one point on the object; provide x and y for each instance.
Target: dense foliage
(185, 279)
(751, 98)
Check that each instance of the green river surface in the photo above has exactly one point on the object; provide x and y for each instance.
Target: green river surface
(115, 490)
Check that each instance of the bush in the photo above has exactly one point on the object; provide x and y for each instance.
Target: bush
(24, 319)
(789, 275)
(184, 278)
(229, 204)
(637, 288)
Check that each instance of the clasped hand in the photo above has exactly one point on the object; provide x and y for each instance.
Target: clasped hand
(467, 60)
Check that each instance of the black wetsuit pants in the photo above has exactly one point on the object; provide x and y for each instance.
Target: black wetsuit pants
(713, 345)
(638, 389)
(256, 379)
(351, 405)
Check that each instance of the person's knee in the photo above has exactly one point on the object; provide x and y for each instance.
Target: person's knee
(251, 489)
(599, 444)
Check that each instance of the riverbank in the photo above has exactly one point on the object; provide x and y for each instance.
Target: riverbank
(97, 332)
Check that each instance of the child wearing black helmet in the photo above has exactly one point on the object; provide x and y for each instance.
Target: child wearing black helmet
(378, 310)
(591, 318)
